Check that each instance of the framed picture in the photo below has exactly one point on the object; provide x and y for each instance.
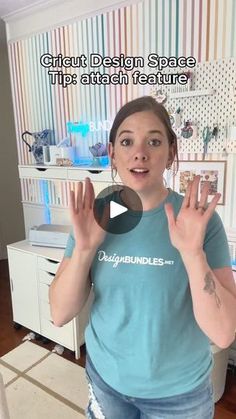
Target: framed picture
(213, 171)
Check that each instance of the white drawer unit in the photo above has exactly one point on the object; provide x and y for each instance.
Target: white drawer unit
(32, 270)
(24, 290)
(44, 292)
(45, 310)
(45, 277)
(62, 335)
(41, 172)
(95, 175)
(48, 265)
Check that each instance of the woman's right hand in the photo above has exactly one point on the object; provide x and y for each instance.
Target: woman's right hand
(88, 234)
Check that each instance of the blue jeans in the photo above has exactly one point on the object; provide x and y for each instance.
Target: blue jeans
(106, 403)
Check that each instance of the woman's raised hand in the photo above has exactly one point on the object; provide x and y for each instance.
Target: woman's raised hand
(187, 230)
(88, 234)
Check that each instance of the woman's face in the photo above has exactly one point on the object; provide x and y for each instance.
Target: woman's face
(141, 152)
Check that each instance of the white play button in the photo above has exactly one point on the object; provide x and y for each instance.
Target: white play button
(116, 209)
(112, 213)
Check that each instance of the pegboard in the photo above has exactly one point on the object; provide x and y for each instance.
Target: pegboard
(217, 108)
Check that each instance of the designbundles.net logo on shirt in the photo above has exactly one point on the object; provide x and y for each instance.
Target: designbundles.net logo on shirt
(137, 260)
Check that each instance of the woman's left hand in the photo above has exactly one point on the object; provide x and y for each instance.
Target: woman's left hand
(187, 231)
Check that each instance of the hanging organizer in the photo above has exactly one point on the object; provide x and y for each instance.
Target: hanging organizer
(211, 101)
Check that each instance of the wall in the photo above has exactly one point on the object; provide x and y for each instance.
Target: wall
(54, 13)
(11, 214)
(201, 28)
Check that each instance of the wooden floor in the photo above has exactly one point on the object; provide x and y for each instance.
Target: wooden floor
(10, 338)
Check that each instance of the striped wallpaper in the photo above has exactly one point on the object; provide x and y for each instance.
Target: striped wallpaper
(201, 28)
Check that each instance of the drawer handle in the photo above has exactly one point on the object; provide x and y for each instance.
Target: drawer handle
(95, 171)
(40, 169)
(50, 273)
(52, 261)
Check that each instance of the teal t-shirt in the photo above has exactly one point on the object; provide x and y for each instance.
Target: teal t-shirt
(142, 335)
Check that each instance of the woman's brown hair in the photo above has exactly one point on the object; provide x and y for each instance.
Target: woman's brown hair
(142, 104)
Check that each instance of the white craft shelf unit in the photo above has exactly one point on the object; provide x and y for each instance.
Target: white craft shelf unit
(70, 173)
(46, 190)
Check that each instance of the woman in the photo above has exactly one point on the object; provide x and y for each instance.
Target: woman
(168, 293)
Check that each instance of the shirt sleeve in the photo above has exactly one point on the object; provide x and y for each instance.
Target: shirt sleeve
(216, 244)
(69, 246)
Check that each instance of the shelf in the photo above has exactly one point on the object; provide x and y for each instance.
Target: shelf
(192, 93)
(43, 167)
(42, 172)
(69, 173)
(96, 175)
(48, 252)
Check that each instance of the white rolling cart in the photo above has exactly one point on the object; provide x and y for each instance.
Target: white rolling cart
(222, 356)
(32, 268)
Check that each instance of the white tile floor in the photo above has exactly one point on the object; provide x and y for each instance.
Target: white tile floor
(43, 384)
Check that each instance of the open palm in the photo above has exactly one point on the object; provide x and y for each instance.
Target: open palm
(87, 233)
(187, 230)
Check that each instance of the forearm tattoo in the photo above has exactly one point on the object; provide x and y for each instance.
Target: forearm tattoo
(210, 287)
